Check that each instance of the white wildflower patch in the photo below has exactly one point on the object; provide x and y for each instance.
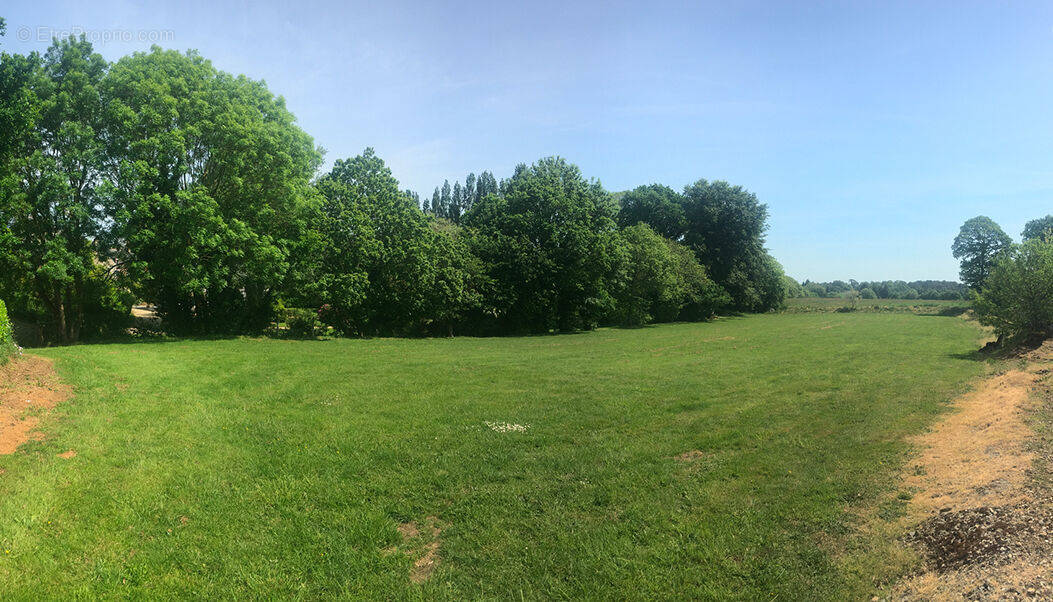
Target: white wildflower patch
(507, 427)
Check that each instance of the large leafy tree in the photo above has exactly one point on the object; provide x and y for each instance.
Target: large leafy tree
(978, 244)
(656, 205)
(1039, 228)
(382, 269)
(19, 112)
(725, 225)
(50, 205)
(647, 283)
(549, 247)
(452, 281)
(660, 280)
(211, 179)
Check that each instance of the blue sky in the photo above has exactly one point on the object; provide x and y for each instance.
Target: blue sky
(871, 129)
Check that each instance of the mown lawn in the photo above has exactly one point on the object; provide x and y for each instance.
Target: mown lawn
(262, 468)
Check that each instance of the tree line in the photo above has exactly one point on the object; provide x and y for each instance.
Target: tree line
(451, 203)
(161, 179)
(887, 289)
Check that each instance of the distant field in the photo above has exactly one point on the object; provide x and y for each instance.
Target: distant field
(721, 460)
(914, 305)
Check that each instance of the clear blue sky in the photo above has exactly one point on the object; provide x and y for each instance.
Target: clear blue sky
(871, 129)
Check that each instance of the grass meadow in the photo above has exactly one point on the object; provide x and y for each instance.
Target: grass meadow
(723, 460)
(923, 306)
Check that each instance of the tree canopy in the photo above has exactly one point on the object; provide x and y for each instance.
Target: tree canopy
(1039, 228)
(1017, 297)
(978, 244)
(548, 247)
(160, 179)
(658, 206)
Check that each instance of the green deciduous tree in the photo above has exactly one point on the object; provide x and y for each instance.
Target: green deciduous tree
(658, 206)
(1017, 297)
(486, 186)
(382, 269)
(452, 281)
(376, 256)
(701, 296)
(456, 203)
(210, 179)
(725, 225)
(1039, 228)
(794, 290)
(549, 247)
(471, 193)
(49, 207)
(660, 280)
(647, 283)
(978, 244)
(435, 201)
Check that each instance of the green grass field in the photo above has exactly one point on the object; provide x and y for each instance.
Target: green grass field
(257, 468)
(922, 306)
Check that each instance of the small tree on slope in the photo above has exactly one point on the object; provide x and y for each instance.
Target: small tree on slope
(1017, 299)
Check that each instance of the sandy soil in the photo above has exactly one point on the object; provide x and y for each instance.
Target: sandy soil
(29, 389)
(985, 533)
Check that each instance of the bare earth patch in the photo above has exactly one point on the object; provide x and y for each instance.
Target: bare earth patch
(420, 541)
(691, 456)
(29, 389)
(982, 530)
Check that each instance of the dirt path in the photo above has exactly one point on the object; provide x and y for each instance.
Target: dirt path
(983, 529)
(29, 389)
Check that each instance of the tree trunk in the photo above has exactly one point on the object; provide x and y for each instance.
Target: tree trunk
(60, 318)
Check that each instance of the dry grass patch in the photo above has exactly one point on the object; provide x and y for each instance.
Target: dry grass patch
(420, 541)
(978, 523)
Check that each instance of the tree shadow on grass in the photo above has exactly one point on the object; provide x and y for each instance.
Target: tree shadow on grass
(953, 311)
(995, 351)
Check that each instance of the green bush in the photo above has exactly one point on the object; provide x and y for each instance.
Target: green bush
(7, 337)
(661, 281)
(1017, 298)
(302, 323)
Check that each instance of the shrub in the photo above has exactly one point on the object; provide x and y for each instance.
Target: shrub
(851, 299)
(7, 337)
(302, 323)
(1017, 298)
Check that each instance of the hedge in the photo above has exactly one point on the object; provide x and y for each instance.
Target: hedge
(7, 337)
